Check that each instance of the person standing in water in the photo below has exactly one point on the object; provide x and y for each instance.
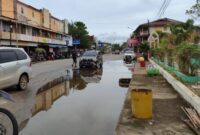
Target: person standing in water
(74, 57)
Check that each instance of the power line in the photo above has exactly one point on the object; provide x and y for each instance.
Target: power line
(163, 8)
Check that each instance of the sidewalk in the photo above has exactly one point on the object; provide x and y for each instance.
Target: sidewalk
(167, 113)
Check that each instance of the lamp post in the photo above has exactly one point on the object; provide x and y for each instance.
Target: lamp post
(11, 27)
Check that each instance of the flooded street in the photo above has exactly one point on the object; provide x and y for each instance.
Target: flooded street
(89, 104)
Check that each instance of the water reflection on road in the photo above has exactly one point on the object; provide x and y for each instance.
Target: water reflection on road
(89, 104)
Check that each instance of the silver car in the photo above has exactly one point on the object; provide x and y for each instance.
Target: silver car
(129, 56)
(91, 58)
(15, 68)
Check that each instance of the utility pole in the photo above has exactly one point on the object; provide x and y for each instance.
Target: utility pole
(148, 28)
(11, 27)
(17, 33)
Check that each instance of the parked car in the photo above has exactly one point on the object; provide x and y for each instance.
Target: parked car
(91, 58)
(15, 68)
(117, 52)
(129, 56)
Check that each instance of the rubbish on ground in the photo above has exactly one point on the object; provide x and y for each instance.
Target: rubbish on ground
(124, 82)
(194, 119)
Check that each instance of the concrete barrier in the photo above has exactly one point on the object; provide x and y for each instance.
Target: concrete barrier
(184, 91)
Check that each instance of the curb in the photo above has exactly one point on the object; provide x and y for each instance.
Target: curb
(184, 91)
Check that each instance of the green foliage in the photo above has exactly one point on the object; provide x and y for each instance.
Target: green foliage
(103, 49)
(144, 47)
(185, 52)
(162, 34)
(40, 51)
(181, 32)
(194, 11)
(78, 30)
(158, 53)
(116, 47)
(152, 70)
(124, 45)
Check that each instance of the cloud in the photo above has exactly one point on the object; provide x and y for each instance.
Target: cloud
(112, 16)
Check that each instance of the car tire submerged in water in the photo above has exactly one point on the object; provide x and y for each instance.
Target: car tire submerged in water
(12, 119)
(23, 82)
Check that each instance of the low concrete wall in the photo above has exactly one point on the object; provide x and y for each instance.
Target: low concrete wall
(184, 91)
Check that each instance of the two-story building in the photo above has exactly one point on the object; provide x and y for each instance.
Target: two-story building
(23, 25)
(147, 32)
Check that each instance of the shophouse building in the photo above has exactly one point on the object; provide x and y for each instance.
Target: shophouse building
(25, 26)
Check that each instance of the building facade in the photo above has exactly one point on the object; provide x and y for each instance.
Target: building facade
(146, 30)
(23, 25)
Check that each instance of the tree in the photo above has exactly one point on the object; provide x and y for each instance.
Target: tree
(124, 45)
(78, 30)
(144, 47)
(182, 32)
(116, 47)
(194, 11)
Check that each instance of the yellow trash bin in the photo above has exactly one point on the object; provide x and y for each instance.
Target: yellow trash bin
(141, 103)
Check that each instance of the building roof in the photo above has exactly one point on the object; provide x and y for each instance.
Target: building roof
(27, 5)
(53, 17)
(39, 10)
(159, 22)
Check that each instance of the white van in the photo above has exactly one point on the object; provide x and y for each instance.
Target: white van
(15, 68)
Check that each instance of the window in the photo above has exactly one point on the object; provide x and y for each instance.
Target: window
(7, 56)
(20, 55)
(58, 36)
(6, 27)
(34, 32)
(22, 10)
(23, 29)
(165, 28)
(90, 53)
(33, 15)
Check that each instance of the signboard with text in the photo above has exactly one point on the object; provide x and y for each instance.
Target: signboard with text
(69, 40)
(76, 42)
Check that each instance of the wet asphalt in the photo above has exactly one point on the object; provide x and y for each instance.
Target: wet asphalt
(90, 103)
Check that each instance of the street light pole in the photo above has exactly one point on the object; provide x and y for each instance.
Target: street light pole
(17, 33)
(11, 35)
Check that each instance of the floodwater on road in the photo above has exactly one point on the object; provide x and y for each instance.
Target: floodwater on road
(89, 104)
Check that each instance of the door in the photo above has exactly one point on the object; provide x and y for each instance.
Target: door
(9, 66)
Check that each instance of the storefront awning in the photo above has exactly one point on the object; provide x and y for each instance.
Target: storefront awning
(20, 44)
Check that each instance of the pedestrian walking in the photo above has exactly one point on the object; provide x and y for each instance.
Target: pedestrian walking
(74, 57)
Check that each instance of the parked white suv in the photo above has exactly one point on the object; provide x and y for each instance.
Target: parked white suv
(15, 68)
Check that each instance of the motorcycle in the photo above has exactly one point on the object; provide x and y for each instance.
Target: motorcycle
(8, 123)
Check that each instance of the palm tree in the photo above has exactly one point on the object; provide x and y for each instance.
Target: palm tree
(181, 32)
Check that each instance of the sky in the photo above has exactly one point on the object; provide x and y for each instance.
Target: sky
(112, 20)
